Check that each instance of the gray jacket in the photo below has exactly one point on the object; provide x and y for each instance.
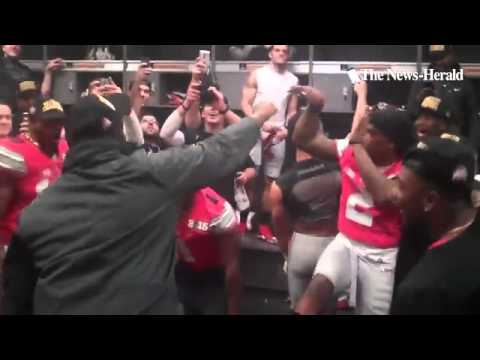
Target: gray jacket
(101, 239)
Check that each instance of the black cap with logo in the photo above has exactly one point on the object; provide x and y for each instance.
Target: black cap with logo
(447, 162)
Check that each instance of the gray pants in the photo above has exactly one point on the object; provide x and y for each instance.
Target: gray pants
(304, 252)
(366, 272)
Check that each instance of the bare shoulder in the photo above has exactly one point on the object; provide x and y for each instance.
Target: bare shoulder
(252, 79)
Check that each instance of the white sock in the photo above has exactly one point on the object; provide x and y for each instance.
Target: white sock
(250, 215)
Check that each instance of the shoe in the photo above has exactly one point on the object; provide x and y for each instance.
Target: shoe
(342, 304)
(266, 234)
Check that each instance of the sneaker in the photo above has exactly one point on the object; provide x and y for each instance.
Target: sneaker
(266, 234)
(342, 304)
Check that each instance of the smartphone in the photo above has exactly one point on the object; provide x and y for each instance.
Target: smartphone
(205, 55)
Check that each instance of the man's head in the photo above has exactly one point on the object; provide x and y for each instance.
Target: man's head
(12, 51)
(436, 180)
(95, 117)
(46, 121)
(94, 86)
(210, 114)
(27, 94)
(5, 119)
(434, 117)
(144, 89)
(389, 134)
(279, 54)
(150, 127)
(442, 57)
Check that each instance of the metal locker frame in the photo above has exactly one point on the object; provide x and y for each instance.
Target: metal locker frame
(314, 67)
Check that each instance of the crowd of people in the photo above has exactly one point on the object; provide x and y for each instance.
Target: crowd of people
(108, 209)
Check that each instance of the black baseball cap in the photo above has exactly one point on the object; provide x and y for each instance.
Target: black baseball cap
(439, 52)
(27, 88)
(438, 107)
(447, 162)
(88, 116)
(396, 126)
(47, 110)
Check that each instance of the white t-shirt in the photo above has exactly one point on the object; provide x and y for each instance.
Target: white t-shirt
(273, 86)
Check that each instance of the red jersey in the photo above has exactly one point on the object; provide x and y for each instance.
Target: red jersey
(198, 229)
(359, 218)
(31, 172)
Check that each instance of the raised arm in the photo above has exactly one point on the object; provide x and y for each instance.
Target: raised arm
(223, 107)
(170, 131)
(306, 134)
(132, 129)
(142, 74)
(207, 161)
(193, 117)
(52, 66)
(361, 109)
(383, 190)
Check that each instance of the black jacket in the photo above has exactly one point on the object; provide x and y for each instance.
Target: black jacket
(12, 72)
(444, 281)
(101, 239)
(16, 69)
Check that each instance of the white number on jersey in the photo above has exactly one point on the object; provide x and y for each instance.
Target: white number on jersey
(362, 200)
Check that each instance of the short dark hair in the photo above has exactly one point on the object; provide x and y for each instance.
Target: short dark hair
(149, 114)
(142, 82)
(6, 103)
(97, 78)
(206, 97)
(395, 125)
(270, 48)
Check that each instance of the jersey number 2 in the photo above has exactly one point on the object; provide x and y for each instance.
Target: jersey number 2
(354, 203)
